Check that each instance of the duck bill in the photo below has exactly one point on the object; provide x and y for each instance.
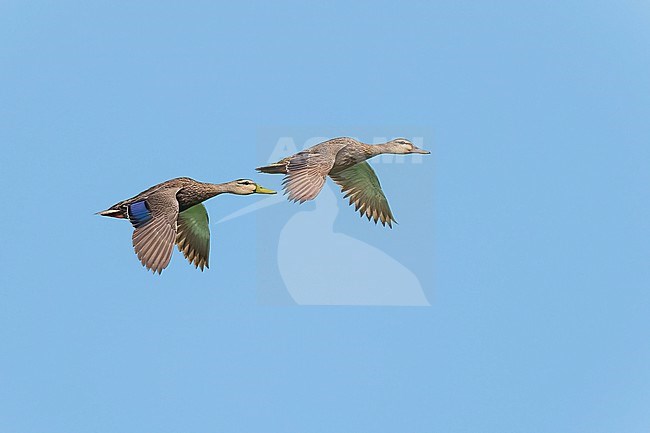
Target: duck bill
(418, 150)
(261, 190)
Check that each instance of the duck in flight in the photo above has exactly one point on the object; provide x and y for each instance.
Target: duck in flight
(344, 160)
(171, 213)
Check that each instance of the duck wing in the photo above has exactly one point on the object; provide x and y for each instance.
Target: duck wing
(193, 235)
(154, 220)
(306, 174)
(361, 185)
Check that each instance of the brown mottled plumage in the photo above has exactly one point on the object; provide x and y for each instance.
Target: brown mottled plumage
(172, 213)
(344, 160)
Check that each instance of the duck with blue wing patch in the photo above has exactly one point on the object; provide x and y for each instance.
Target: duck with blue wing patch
(171, 213)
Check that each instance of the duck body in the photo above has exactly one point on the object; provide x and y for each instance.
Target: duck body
(171, 213)
(189, 192)
(332, 155)
(344, 160)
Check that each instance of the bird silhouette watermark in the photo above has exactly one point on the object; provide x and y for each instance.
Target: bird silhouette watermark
(314, 263)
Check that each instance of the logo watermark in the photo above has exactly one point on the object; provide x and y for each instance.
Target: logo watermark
(320, 253)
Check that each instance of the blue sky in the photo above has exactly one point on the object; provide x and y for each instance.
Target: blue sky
(529, 230)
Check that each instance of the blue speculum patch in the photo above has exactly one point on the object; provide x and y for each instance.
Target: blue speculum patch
(139, 213)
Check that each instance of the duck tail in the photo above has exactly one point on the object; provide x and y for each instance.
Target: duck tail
(277, 168)
(114, 213)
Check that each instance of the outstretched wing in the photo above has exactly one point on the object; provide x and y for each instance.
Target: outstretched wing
(193, 237)
(361, 185)
(154, 220)
(306, 174)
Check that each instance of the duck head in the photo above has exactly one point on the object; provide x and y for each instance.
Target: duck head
(402, 146)
(247, 187)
